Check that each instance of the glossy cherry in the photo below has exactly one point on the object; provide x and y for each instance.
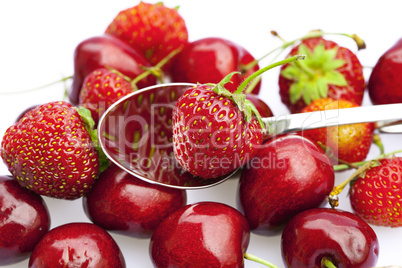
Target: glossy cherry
(262, 107)
(339, 236)
(24, 220)
(78, 244)
(21, 115)
(209, 60)
(122, 203)
(385, 80)
(205, 234)
(106, 51)
(288, 175)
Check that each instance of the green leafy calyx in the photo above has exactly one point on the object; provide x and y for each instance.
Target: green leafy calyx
(89, 124)
(244, 105)
(313, 75)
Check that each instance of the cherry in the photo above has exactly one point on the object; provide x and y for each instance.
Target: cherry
(209, 60)
(385, 82)
(24, 220)
(205, 234)
(21, 115)
(322, 237)
(77, 244)
(107, 51)
(263, 109)
(122, 203)
(288, 175)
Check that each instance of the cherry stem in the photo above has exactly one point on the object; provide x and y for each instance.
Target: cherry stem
(155, 70)
(360, 43)
(365, 165)
(330, 153)
(377, 141)
(327, 262)
(263, 70)
(36, 88)
(341, 167)
(251, 257)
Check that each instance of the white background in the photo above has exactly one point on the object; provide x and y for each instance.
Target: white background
(38, 39)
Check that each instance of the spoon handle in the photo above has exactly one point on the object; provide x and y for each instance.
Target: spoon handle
(327, 118)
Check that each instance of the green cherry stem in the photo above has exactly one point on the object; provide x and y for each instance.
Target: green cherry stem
(64, 79)
(155, 70)
(327, 262)
(251, 257)
(263, 70)
(377, 141)
(360, 44)
(341, 167)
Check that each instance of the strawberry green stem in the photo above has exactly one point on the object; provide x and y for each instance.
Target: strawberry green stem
(263, 70)
(36, 88)
(252, 85)
(360, 44)
(250, 257)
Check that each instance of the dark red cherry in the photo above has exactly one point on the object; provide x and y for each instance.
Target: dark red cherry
(107, 51)
(122, 203)
(205, 234)
(77, 244)
(209, 60)
(24, 220)
(385, 82)
(288, 175)
(339, 236)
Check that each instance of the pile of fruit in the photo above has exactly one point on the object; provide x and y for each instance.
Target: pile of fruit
(286, 184)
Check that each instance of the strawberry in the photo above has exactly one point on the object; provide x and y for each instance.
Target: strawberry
(212, 135)
(329, 70)
(350, 143)
(153, 29)
(50, 151)
(376, 196)
(101, 88)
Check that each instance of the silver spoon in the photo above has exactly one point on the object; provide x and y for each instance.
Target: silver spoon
(136, 132)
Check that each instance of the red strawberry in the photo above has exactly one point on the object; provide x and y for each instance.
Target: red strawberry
(329, 70)
(211, 134)
(50, 151)
(101, 88)
(385, 83)
(350, 143)
(153, 29)
(377, 195)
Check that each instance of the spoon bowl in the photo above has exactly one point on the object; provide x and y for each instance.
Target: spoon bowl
(136, 134)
